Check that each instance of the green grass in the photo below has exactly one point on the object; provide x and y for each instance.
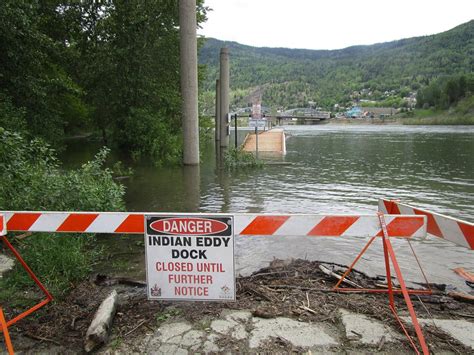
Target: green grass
(438, 120)
(59, 261)
(116, 343)
(167, 314)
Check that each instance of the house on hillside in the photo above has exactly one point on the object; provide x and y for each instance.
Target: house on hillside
(354, 112)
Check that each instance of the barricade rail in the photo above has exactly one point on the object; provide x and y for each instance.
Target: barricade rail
(313, 225)
(451, 229)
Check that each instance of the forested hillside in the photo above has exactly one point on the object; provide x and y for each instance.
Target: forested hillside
(292, 77)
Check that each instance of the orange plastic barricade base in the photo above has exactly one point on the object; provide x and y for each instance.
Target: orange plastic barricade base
(389, 256)
(5, 324)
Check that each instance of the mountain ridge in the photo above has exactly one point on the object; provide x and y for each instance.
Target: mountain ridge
(292, 77)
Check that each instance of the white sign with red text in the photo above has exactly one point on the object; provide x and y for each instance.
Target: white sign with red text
(190, 257)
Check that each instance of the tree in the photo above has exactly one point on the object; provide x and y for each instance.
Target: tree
(445, 92)
(129, 67)
(31, 75)
(110, 66)
(31, 178)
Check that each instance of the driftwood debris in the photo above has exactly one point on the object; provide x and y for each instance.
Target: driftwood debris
(466, 275)
(333, 274)
(263, 313)
(463, 297)
(381, 343)
(308, 309)
(104, 280)
(98, 331)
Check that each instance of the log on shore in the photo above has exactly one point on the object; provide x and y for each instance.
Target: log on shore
(98, 331)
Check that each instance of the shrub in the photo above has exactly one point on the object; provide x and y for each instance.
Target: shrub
(147, 133)
(32, 179)
(234, 158)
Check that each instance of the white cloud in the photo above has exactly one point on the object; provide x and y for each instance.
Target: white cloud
(330, 24)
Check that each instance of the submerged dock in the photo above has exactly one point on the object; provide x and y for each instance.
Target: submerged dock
(269, 141)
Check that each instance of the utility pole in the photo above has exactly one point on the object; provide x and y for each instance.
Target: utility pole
(256, 141)
(235, 130)
(218, 113)
(189, 80)
(224, 90)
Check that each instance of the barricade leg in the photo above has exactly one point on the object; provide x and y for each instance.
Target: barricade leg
(390, 259)
(408, 302)
(388, 273)
(349, 269)
(6, 335)
(48, 299)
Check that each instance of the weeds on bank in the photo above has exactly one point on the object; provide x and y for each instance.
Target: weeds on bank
(32, 179)
(116, 343)
(440, 120)
(236, 158)
(461, 114)
(167, 314)
(59, 261)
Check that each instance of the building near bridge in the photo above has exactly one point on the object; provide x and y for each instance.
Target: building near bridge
(354, 112)
(360, 112)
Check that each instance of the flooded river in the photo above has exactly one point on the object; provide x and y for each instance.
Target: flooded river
(334, 169)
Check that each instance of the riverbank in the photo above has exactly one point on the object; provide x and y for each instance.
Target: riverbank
(285, 307)
(363, 121)
(448, 120)
(461, 114)
(440, 119)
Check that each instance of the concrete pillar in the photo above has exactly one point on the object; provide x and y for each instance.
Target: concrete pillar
(218, 112)
(189, 80)
(224, 83)
(192, 188)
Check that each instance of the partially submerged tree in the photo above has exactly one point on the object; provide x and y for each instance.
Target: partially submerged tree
(109, 66)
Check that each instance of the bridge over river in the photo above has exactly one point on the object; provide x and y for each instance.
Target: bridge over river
(303, 119)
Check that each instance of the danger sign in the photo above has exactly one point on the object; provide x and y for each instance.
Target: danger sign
(190, 257)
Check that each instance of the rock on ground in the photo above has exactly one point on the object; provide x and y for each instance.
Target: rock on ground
(299, 334)
(239, 331)
(364, 329)
(6, 264)
(461, 330)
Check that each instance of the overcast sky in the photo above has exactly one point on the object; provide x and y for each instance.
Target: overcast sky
(330, 24)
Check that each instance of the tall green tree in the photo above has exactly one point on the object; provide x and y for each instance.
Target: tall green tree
(32, 77)
(446, 91)
(129, 67)
(111, 66)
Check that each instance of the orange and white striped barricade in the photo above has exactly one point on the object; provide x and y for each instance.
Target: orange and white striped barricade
(450, 229)
(312, 225)
(3, 225)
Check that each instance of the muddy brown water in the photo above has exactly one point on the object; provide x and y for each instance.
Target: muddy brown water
(338, 169)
